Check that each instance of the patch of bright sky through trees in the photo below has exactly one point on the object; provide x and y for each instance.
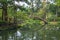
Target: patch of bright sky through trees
(20, 3)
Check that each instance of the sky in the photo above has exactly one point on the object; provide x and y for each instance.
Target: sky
(26, 5)
(20, 3)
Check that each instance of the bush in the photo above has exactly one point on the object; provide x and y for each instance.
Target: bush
(2, 22)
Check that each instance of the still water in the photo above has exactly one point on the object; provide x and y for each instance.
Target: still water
(38, 33)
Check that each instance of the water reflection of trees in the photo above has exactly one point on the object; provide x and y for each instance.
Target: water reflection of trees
(6, 34)
(46, 32)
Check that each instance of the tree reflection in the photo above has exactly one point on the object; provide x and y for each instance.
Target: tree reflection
(45, 32)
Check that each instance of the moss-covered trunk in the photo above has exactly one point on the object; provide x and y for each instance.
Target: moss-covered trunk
(4, 12)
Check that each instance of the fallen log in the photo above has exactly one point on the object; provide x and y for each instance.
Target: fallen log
(38, 18)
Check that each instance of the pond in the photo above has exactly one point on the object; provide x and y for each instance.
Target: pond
(46, 32)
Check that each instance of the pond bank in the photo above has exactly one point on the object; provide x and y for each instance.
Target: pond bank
(11, 26)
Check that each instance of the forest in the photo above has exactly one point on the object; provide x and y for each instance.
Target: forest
(29, 12)
(31, 15)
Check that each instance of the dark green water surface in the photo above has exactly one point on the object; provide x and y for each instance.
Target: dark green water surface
(46, 32)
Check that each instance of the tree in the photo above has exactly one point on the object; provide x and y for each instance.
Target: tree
(4, 10)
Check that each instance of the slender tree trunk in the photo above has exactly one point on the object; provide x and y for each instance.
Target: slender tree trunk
(4, 12)
(15, 16)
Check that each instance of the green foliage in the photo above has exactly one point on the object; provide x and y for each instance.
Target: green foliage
(27, 21)
(0, 12)
(53, 8)
(3, 0)
(2, 22)
(58, 2)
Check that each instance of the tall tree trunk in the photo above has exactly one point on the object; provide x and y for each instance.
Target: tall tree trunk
(15, 16)
(4, 12)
